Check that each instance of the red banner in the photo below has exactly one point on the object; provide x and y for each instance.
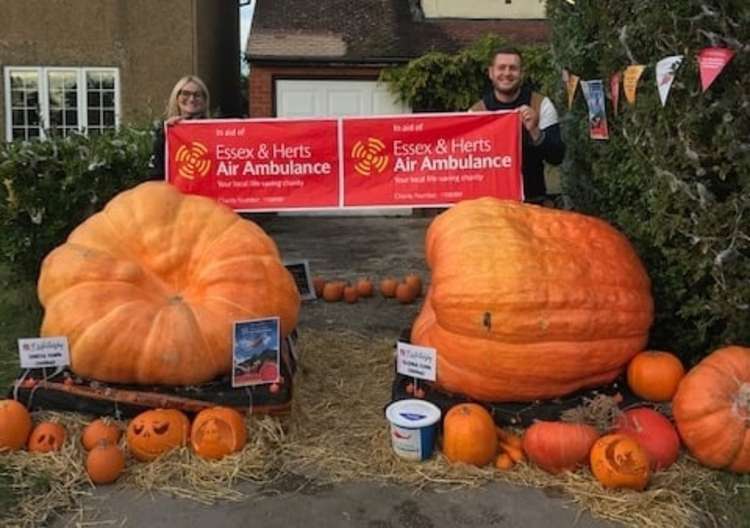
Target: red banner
(416, 160)
(257, 164)
(431, 159)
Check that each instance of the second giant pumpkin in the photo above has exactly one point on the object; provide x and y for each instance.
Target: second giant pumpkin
(147, 290)
(527, 302)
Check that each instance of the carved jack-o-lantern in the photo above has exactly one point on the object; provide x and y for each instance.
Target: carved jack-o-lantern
(46, 437)
(153, 433)
(217, 432)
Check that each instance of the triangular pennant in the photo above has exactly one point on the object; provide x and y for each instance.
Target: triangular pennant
(665, 71)
(614, 89)
(571, 84)
(593, 91)
(711, 62)
(630, 81)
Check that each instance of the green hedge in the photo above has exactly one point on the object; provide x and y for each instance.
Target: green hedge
(441, 82)
(49, 187)
(675, 179)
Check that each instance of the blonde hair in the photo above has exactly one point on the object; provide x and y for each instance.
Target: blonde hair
(173, 109)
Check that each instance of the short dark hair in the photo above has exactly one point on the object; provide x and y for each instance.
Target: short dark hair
(506, 50)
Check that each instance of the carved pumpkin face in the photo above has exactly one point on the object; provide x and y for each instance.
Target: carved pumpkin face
(155, 432)
(218, 432)
(15, 425)
(46, 437)
(620, 462)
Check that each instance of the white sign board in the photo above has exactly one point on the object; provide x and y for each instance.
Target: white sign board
(416, 361)
(43, 352)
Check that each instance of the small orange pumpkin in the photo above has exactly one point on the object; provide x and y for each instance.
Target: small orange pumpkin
(712, 409)
(46, 437)
(654, 375)
(415, 281)
(333, 291)
(153, 433)
(217, 432)
(350, 294)
(405, 293)
(105, 463)
(388, 287)
(469, 435)
(618, 461)
(318, 285)
(100, 430)
(15, 425)
(364, 287)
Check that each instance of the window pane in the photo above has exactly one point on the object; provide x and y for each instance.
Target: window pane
(108, 99)
(71, 99)
(94, 119)
(19, 133)
(29, 79)
(109, 118)
(93, 80)
(108, 81)
(33, 132)
(55, 118)
(55, 99)
(16, 98)
(32, 100)
(18, 117)
(94, 99)
(32, 116)
(71, 118)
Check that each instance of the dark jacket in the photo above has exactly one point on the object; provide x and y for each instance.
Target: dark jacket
(551, 149)
(156, 163)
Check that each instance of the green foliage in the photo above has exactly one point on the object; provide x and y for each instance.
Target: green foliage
(49, 187)
(440, 82)
(675, 179)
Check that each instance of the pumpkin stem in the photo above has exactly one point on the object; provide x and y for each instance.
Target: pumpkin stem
(487, 321)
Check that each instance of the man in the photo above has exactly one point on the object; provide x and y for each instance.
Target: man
(541, 130)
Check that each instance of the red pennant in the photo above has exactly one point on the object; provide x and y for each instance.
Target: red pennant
(711, 62)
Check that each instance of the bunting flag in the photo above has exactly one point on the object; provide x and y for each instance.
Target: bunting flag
(571, 84)
(630, 81)
(593, 91)
(614, 89)
(665, 72)
(711, 62)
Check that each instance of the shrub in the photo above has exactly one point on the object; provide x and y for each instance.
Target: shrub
(49, 187)
(675, 179)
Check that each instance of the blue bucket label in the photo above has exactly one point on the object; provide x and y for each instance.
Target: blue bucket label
(413, 416)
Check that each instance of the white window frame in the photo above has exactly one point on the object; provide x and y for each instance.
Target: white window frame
(43, 84)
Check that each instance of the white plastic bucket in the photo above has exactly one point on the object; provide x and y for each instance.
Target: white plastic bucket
(413, 428)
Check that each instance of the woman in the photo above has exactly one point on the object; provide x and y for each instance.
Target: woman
(189, 100)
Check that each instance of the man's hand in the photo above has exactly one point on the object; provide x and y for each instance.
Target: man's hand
(530, 121)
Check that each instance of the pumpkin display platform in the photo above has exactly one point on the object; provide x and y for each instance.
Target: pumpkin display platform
(66, 392)
(516, 413)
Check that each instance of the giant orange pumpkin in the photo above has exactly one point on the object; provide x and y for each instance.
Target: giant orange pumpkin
(527, 302)
(146, 291)
(15, 425)
(712, 409)
(217, 432)
(153, 433)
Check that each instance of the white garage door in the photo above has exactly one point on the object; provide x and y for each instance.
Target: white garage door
(314, 98)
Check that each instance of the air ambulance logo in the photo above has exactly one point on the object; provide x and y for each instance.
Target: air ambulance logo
(369, 157)
(192, 162)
